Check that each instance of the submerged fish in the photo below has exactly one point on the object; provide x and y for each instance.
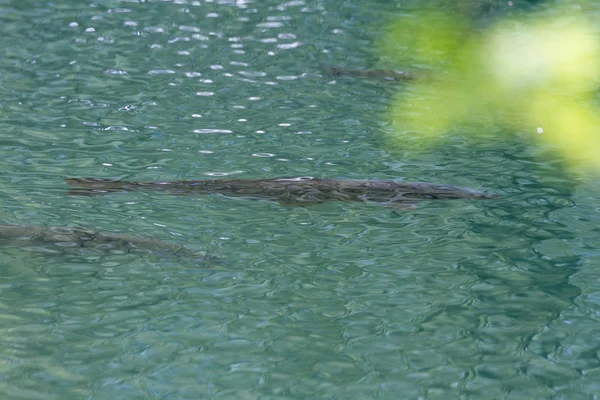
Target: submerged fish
(63, 238)
(388, 74)
(292, 191)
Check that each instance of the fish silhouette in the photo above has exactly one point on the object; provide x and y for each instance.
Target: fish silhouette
(68, 238)
(386, 74)
(291, 191)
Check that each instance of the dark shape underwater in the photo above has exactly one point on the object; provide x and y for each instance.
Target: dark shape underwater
(386, 74)
(292, 191)
(65, 239)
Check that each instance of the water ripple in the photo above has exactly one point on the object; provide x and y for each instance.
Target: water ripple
(341, 300)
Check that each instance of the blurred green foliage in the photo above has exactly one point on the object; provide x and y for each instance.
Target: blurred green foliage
(534, 72)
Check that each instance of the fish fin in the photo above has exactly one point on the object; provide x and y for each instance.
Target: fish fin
(404, 206)
(294, 203)
(86, 192)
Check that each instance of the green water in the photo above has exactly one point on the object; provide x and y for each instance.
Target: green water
(494, 299)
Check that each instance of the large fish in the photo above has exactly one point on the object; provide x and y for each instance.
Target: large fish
(292, 191)
(67, 238)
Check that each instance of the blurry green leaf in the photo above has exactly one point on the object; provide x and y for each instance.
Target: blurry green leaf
(539, 72)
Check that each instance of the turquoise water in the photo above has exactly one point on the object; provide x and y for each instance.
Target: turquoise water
(493, 299)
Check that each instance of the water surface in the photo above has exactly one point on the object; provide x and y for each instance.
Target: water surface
(463, 299)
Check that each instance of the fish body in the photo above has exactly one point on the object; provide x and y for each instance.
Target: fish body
(65, 238)
(387, 74)
(291, 191)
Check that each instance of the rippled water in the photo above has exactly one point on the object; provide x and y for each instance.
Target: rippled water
(489, 299)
